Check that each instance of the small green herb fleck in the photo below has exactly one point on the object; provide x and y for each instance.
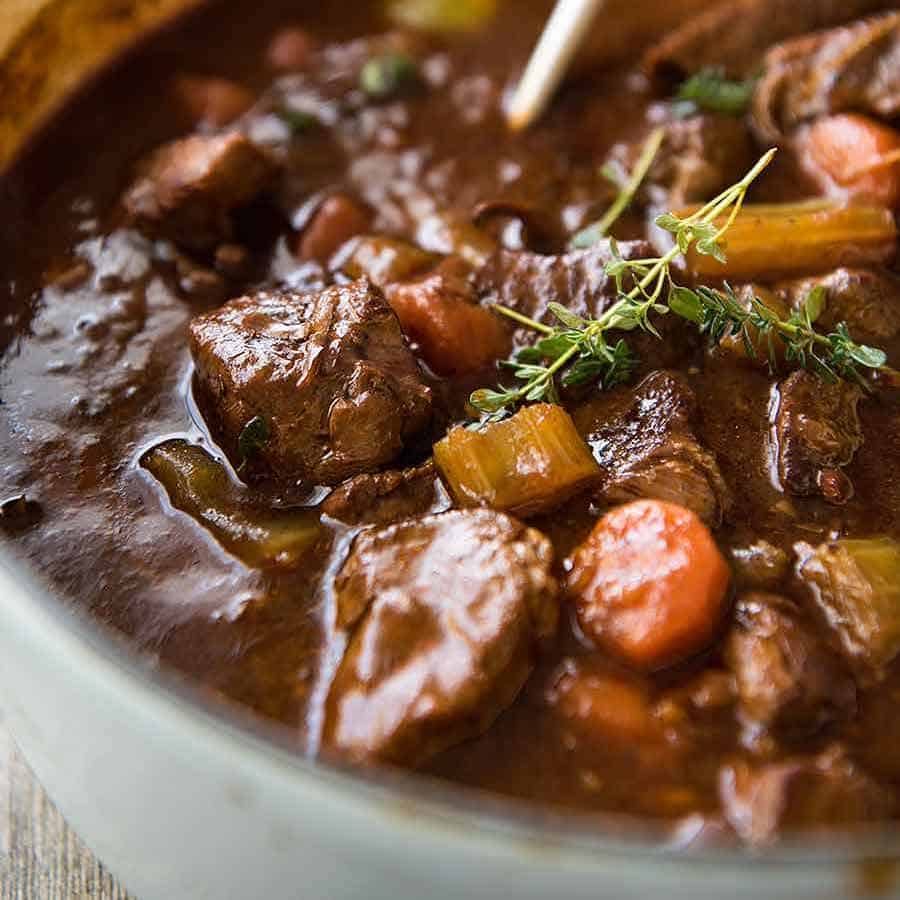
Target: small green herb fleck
(711, 91)
(297, 120)
(253, 438)
(387, 76)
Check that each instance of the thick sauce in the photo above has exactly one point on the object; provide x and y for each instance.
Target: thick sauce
(96, 369)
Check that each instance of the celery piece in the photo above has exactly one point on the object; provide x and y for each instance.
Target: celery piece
(774, 240)
(200, 486)
(526, 464)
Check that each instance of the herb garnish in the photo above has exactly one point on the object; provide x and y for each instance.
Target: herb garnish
(590, 234)
(252, 439)
(386, 76)
(710, 90)
(718, 314)
(579, 350)
(297, 120)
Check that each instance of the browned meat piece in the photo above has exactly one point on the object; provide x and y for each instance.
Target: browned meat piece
(759, 564)
(854, 68)
(381, 498)
(643, 439)
(804, 792)
(328, 376)
(816, 432)
(867, 300)
(528, 281)
(445, 615)
(735, 34)
(189, 188)
(700, 156)
(855, 582)
(789, 683)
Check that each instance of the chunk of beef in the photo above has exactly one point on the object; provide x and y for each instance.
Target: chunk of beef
(866, 300)
(856, 584)
(189, 188)
(803, 792)
(735, 35)
(644, 441)
(816, 432)
(700, 156)
(381, 498)
(789, 683)
(529, 282)
(853, 68)
(444, 616)
(328, 374)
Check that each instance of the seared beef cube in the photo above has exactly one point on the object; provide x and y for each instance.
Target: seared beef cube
(529, 282)
(804, 792)
(700, 156)
(816, 432)
(189, 188)
(856, 583)
(644, 441)
(866, 300)
(853, 68)
(445, 615)
(326, 380)
(381, 498)
(789, 683)
(734, 35)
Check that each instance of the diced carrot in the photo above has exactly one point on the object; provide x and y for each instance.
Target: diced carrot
(335, 222)
(609, 706)
(214, 101)
(649, 584)
(455, 335)
(858, 154)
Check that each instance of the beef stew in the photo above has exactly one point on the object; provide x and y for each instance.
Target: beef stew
(325, 390)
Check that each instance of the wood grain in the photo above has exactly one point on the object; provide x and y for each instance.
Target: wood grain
(41, 858)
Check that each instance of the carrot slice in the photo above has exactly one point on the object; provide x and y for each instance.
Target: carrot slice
(649, 584)
(857, 153)
(454, 335)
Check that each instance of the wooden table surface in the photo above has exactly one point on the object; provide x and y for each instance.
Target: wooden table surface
(40, 856)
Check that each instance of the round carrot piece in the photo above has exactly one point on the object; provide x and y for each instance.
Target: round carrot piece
(649, 584)
(858, 154)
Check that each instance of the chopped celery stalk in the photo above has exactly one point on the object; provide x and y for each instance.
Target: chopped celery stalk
(857, 584)
(385, 260)
(798, 239)
(526, 464)
(199, 486)
(441, 15)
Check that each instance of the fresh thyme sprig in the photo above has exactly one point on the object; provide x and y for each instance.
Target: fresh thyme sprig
(578, 350)
(592, 233)
(832, 356)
